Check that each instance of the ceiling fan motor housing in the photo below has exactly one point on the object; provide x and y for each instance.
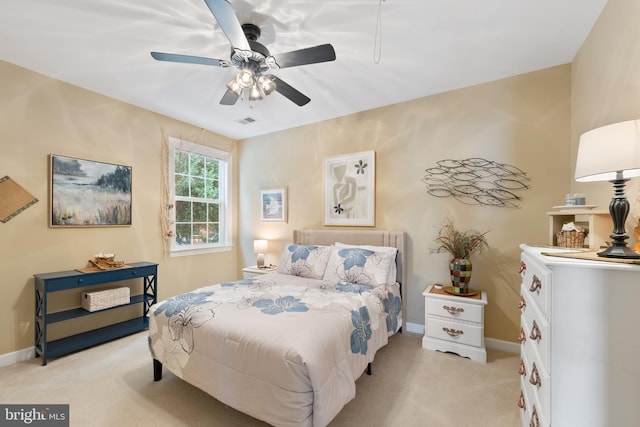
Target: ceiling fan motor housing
(254, 60)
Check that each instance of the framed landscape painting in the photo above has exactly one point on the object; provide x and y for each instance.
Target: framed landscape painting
(349, 189)
(86, 193)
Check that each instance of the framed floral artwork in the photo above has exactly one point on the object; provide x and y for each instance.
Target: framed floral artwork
(273, 205)
(349, 189)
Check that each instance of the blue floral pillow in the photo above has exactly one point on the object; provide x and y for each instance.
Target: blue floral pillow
(304, 260)
(358, 265)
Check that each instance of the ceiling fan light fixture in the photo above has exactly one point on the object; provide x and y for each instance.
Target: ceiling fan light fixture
(266, 84)
(255, 94)
(234, 86)
(245, 78)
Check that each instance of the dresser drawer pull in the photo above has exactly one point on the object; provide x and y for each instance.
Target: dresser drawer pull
(521, 336)
(521, 370)
(523, 267)
(521, 404)
(535, 377)
(453, 332)
(453, 310)
(535, 332)
(534, 421)
(522, 304)
(535, 284)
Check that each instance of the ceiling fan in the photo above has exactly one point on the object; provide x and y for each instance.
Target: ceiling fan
(253, 59)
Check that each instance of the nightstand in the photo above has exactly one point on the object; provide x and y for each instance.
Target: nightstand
(253, 271)
(454, 323)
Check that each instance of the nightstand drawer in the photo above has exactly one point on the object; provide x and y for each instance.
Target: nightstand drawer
(455, 332)
(459, 310)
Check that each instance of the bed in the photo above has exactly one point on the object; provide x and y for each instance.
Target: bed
(287, 347)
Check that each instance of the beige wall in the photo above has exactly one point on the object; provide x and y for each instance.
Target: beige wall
(527, 121)
(41, 116)
(606, 89)
(522, 121)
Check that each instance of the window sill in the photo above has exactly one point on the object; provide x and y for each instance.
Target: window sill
(199, 251)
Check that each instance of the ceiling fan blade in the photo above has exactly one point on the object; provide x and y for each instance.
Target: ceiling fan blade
(229, 98)
(188, 59)
(226, 17)
(310, 55)
(290, 92)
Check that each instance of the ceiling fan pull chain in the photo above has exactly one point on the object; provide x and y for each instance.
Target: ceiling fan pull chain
(377, 39)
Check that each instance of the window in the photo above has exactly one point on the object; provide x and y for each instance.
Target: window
(199, 192)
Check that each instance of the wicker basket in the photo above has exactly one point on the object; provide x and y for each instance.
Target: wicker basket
(571, 239)
(94, 301)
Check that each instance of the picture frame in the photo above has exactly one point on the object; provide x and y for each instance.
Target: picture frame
(88, 193)
(273, 205)
(349, 189)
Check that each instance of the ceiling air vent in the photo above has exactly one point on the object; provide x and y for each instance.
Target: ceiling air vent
(246, 120)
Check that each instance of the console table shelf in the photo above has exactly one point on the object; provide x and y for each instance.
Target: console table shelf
(47, 283)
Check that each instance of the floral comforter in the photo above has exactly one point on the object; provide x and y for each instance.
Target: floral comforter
(281, 348)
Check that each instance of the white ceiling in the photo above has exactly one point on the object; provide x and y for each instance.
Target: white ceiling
(426, 47)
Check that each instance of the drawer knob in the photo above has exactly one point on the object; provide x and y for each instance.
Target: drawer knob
(523, 267)
(453, 310)
(535, 332)
(522, 304)
(79, 280)
(535, 376)
(534, 421)
(535, 284)
(521, 336)
(521, 404)
(521, 370)
(453, 332)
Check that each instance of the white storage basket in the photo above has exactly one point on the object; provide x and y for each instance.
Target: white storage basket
(99, 300)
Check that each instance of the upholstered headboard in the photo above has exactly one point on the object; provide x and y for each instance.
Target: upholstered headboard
(396, 239)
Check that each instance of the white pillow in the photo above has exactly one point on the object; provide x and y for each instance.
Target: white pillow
(308, 261)
(358, 265)
(393, 269)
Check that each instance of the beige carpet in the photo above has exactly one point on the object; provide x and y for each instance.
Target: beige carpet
(112, 385)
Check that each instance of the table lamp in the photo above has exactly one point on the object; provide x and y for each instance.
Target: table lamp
(612, 153)
(260, 247)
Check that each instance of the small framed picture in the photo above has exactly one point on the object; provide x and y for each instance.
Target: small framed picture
(273, 205)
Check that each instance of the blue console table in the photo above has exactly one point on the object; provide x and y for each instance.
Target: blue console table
(64, 280)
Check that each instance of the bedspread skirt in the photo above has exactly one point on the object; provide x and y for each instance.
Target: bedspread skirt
(284, 349)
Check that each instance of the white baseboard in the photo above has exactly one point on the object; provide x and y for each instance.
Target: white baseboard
(508, 346)
(415, 328)
(17, 356)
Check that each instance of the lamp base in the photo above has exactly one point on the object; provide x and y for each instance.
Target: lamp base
(260, 261)
(619, 252)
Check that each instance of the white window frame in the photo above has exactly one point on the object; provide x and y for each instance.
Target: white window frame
(224, 196)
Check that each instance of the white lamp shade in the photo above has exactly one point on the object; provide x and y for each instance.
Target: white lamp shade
(259, 246)
(607, 150)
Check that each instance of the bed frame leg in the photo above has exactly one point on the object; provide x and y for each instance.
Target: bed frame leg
(157, 370)
(369, 369)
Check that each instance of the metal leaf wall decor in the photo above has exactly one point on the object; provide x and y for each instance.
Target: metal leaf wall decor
(477, 181)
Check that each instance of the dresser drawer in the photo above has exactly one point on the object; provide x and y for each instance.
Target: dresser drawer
(536, 281)
(536, 383)
(537, 332)
(455, 332)
(532, 411)
(460, 310)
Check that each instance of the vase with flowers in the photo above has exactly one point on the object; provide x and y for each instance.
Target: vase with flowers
(460, 245)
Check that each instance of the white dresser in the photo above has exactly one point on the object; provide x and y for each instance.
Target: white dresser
(580, 342)
(454, 323)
